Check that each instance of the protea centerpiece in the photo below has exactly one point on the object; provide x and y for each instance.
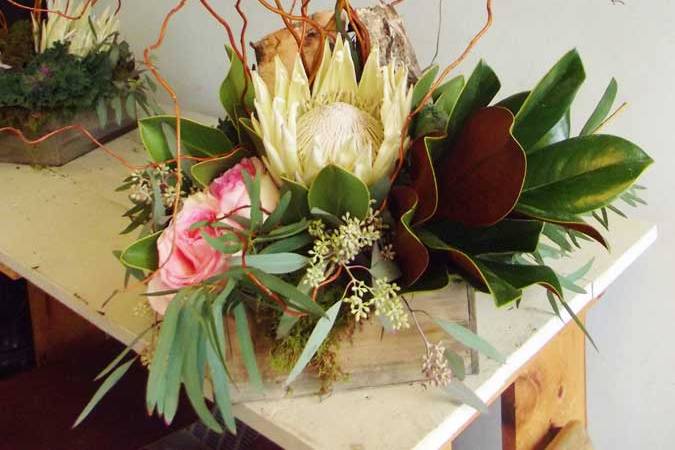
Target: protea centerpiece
(351, 124)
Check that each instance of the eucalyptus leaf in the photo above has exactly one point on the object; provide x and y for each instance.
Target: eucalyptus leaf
(319, 334)
(463, 394)
(273, 263)
(105, 387)
(246, 347)
(470, 339)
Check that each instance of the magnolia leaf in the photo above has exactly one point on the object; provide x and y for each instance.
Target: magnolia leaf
(205, 172)
(470, 339)
(411, 254)
(446, 96)
(142, 254)
(506, 236)
(338, 192)
(481, 177)
(601, 110)
(236, 87)
(549, 100)
(246, 347)
(580, 175)
(423, 180)
(521, 276)
(105, 387)
(471, 269)
(197, 139)
(479, 90)
(319, 334)
(423, 85)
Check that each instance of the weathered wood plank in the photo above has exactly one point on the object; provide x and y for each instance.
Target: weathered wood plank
(549, 392)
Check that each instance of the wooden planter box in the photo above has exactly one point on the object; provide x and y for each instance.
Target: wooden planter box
(66, 146)
(373, 357)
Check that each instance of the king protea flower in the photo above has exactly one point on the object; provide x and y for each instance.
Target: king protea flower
(354, 125)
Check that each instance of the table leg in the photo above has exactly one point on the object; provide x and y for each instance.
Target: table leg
(549, 392)
(57, 331)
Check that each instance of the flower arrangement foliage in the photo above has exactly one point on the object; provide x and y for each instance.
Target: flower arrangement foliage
(326, 197)
(56, 68)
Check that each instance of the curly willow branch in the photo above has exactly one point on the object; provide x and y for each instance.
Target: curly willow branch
(472, 43)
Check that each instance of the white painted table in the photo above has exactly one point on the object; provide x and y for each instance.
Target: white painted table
(58, 228)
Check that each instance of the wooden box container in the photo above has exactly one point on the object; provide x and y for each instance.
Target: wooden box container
(66, 146)
(374, 357)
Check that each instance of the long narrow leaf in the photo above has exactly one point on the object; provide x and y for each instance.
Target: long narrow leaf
(462, 393)
(319, 334)
(221, 388)
(108, 384)
(246, 347)
(124, 353)
(470, 339)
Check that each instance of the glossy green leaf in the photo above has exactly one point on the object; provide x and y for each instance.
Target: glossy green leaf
(521, 276)
(319, 334)
(480, 89)
(352, 196)
(105, 387)
(205, 172)
(559, 132)
(298, 207)
(549, 100)
(423, 85)
(506, 236)
(277, 215)
(236, 87)
(246, 347)
(197, 139)
(142, 254)
(514, 102)
(580, 175)
(470, 339)
(448, 94)
(273, 263)
(601, 110)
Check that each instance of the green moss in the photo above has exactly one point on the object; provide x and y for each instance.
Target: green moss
(285, 352)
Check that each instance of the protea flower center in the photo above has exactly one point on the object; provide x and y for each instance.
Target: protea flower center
(338, 133)
(355, 125)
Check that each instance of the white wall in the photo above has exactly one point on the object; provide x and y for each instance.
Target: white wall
(632, 379)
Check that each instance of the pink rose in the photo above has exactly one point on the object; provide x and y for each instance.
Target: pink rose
(192, 259)
(230, 190)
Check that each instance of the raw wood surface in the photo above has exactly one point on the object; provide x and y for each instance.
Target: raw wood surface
(573, 436)
(547, 394)
(371, 357)
(9, 273)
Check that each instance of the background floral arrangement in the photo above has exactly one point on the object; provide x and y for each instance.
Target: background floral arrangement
(333, 191)
(58, 65)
